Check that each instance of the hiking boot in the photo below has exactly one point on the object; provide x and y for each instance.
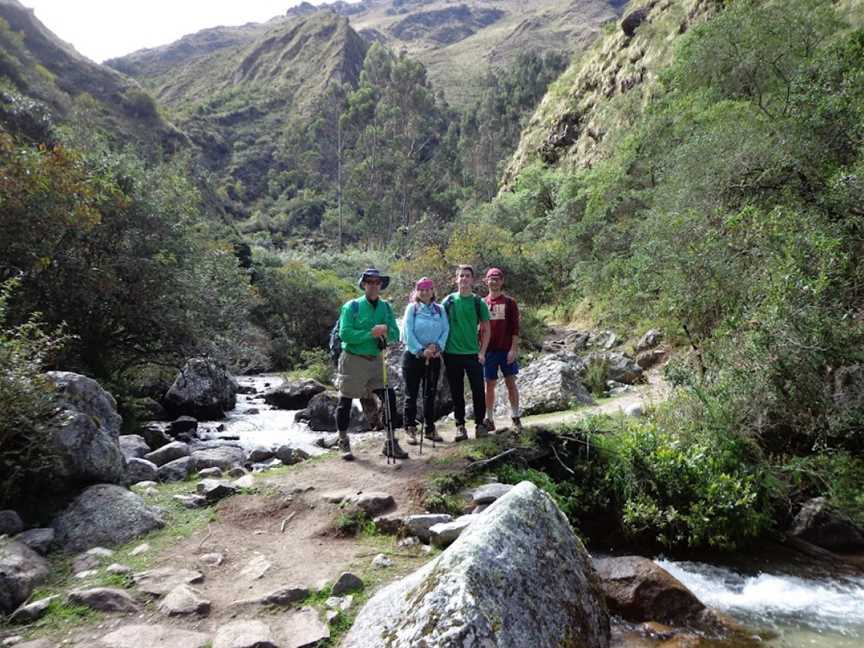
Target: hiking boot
(345, 448)
(480, 431)
(411, 433)
(432, 435)
(461, 434)
(517, 425)
(396, 452)
(489, 424)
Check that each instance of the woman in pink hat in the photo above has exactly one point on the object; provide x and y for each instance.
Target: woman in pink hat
(424, 332)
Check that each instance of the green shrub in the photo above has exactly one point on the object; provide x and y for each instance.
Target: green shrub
(595, 376)
(26, 458)
(315, 364)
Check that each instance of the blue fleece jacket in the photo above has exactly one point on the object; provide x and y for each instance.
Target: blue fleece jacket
(424, 325)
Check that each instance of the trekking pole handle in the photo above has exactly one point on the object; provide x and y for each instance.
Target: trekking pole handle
(382, 342)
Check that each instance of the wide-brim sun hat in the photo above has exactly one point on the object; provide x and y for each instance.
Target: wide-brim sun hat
(373, 273)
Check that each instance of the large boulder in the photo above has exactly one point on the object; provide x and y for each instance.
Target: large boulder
(203, 389)
(104, 515)
(133, 446)
(639, 590)
(85, 430)
(320, 414)
(818, 523)
(549, 384)
(293, 395)
(518, 576)
(21, 570)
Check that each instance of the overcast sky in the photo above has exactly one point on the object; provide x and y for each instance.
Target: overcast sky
(102, 29)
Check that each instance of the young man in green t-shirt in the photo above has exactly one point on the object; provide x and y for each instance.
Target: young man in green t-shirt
(362, 323)
(464, 354)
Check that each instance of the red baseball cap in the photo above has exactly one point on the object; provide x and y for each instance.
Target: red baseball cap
(494, 272)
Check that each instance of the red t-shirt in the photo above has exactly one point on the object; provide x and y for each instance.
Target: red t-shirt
(504, 320)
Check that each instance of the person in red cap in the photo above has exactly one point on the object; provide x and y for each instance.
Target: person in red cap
(503, 348)
(424, 331)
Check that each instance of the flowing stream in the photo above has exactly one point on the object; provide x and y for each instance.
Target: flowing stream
(786, 610)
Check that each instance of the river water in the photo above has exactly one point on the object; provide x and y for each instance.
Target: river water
(785, 610)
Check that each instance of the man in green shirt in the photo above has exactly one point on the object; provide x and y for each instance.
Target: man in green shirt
(464, 354)
(364, 324)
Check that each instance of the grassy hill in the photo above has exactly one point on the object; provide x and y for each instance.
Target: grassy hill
(59, 85)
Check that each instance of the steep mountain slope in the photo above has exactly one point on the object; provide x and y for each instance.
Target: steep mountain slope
(607, 87)
(457, 42)
(61, 84)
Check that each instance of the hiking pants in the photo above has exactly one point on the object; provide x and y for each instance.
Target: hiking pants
(457, 366)
(413, 371)
(343, 410)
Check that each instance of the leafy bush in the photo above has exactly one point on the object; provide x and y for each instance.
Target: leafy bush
(315, 364)
(26, 402)
(595, 376)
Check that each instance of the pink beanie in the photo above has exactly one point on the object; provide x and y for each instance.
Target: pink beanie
(425, 283)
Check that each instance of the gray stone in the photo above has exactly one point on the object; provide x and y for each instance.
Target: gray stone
(214, 489)
(151, 636)
(84, 432)
(651, 339)
(33, 611)
(210, 473)
(167, 453)
(260, 454)
(104, 515)
(103, 599)
(285, 454)
(619, 367)
(117, 568)
(503, 583)
(244, 634)
(224, 457)
(237, 472)
(820, 524)
(285, 596)
(21, 570)
(133, 446)
(635, 410)
(603, 340)
(372, 503)
(303, 629)
(293, 395)
(211, 559)
(10, 523)
(143, 485)
(338, 496)
(158, 582)
(192, 501)
(490, 492)
(549, 384)
(320, 414)
(256, 568)
(246, 481)
(651, 357)
(419, 525)
(36, 643)
(392, 524)
(177, 470)
(632, 21)
(155, 436)
(183, 425)
(184, 600)
(141, 470)
(445, 534)
(327, 441)
(347, 582)
(39, 540)
(91, 559)
(203, 389)
(381, 561)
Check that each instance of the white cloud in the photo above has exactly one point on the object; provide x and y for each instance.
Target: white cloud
(102, 29)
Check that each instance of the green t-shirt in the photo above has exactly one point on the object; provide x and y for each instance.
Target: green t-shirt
(463, 323)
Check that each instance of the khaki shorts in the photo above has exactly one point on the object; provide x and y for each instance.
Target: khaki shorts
(357, 375)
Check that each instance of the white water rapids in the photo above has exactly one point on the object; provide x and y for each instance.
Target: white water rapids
(801, 611)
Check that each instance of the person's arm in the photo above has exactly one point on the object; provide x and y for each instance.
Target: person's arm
(348, 330)
(441, 342)
(392, 326)
(485, 331)
(514, 345)
(411, 341)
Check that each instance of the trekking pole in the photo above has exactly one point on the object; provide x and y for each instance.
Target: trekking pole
(427, 398)
(423, 384)
(391, 437)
